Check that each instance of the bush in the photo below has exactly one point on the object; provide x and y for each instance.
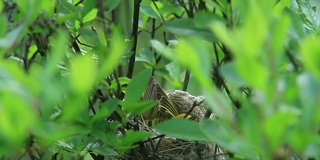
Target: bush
(72, 74)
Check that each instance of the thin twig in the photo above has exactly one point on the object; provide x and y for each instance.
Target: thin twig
(184, 6)
(215, 152)
(157, 8)
(22, 155)
(292, 60)
(78, 3)
(29, 148)
(91, 103)
(153, 138)
(191, 109)
(186, 81)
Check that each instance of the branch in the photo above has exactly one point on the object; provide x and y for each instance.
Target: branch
(134, 35)
(79, 2)
(293, 60)
(186, 80)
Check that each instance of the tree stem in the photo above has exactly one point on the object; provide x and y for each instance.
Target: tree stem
(186, 81)
(134, 36)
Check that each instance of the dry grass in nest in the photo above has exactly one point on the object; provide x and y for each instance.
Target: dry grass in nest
(165, 147)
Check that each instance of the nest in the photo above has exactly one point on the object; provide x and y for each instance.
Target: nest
(165, 147)
(188, 103)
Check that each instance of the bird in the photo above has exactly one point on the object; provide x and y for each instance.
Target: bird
(165, 107)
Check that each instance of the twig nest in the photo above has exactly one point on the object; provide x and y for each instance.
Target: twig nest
(167, 147)
(190, 150)
(170, 148)
(185, 102)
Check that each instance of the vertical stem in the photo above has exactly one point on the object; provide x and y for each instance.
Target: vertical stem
(153, 33)
(202, 5)
(186, 80)
(134, 37)
(190, 14)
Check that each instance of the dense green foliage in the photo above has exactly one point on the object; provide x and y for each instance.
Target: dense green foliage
(72, 73)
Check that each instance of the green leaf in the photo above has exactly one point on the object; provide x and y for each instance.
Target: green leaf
(194, 54)
(219, 104)
(135, 108)
(312, 21)
(48, 6)
(309, 98)
(279, 37)
(169, 10)
(110, 57)
(166, 51)
(16, 107)
(60, 43)
(123, 81)
(149, 11)
(248, 67)
(68, 18)
(183, 128)
(310, 50)
(105, 132)
(137, 86)
(105, 110)
(200, 26)
(12, 37)
(225, 136)
(281, 5)
(112, 4)
(1, 6)
(105, 151)
(277, 127)
(51, 132)
(190, 27)
(229, 72)
(90, 16)
(89, 36)
(134, 136)
(129, 139)
(156, 6)
(82, 74)
(55, 87)
(248, 47)
(215, 5)
(146, 55)
(88, 6)
(68, 13)
(297, 31)
(3, 26)
(175, 71)
(65, 146)
(99, 31)
(30, 9)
